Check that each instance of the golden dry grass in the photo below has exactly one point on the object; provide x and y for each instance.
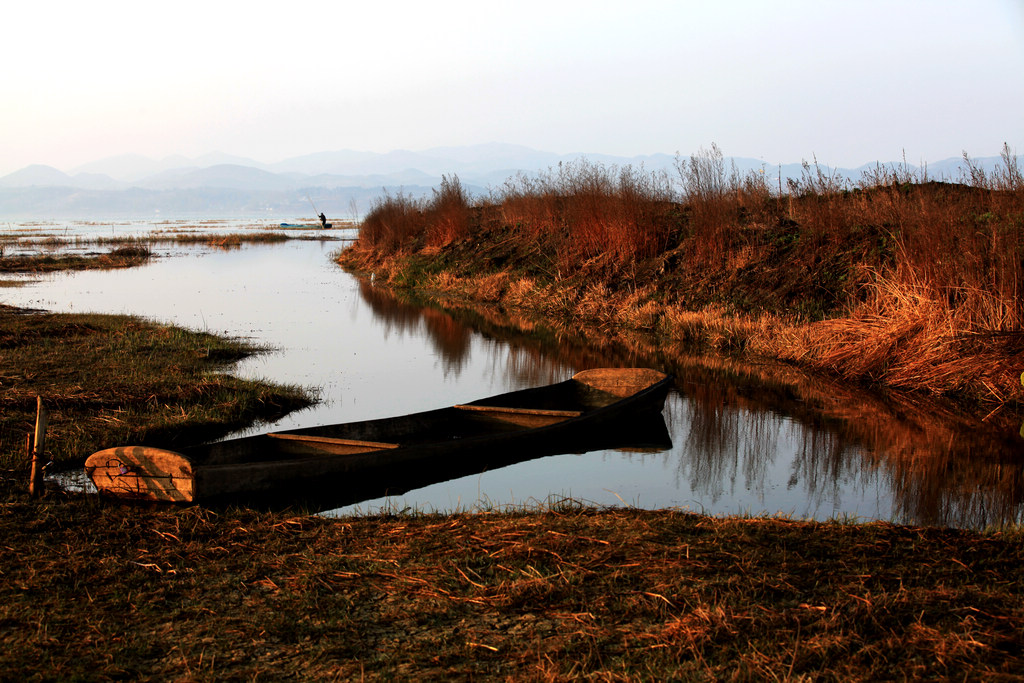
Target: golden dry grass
(898, 280)
(97, 592)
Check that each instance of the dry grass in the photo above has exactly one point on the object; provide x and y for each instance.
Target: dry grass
(906, 337)
(392, 223)
(120, 257)
(448, 213)
(897, 279)
(100, 592)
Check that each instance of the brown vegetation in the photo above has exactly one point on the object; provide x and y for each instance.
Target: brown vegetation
(120, 257)
(899, 280)
(104, 592)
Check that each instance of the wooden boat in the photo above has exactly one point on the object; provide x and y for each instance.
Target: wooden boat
(595, 409)
(303, 225)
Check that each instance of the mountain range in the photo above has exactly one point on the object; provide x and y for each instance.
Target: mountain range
(341, 183)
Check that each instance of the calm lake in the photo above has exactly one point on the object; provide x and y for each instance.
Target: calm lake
(745, 439)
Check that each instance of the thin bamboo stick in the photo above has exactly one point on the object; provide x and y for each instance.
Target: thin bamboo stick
(35, 484)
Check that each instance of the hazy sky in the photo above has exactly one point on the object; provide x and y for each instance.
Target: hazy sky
(780, 80)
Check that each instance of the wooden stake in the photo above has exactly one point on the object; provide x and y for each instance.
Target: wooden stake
(35, 483)
(28, 446)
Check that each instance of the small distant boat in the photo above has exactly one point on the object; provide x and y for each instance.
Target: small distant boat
(602, 408)
(307, 226)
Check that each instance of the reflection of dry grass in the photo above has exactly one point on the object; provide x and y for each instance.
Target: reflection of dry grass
(945, 467)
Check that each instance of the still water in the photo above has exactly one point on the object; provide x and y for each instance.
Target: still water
(744, 439)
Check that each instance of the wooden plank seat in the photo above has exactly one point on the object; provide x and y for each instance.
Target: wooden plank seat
(521, 417)
(348, 445)
(520, 411)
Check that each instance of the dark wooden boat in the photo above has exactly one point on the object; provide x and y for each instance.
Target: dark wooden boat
(595, 409)
(303, 225)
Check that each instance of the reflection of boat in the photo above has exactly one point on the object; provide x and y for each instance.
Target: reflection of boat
(594, 409)
(641, 433)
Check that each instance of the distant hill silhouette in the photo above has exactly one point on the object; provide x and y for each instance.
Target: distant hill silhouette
(346, 181)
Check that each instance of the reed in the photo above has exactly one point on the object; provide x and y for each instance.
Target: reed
(897, 278)
(447, 213)
(393, 223)
(590, 213)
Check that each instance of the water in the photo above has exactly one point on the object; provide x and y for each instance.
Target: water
(745, 439)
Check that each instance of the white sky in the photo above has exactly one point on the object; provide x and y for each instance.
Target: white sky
(781, 80)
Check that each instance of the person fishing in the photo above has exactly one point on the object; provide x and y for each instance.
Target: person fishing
(319, 213)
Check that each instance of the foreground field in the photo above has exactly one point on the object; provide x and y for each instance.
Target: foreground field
(97, 592)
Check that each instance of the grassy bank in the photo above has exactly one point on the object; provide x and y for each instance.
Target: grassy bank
(110, 380)
(898, 280)
(120, 257)
(96, 592)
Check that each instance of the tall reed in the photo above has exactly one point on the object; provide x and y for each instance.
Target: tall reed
(590, 213)
(447, 213)
(393, 223)
(905, 266)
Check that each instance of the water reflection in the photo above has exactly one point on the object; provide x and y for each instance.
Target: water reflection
(938, 466)
(745, 438)
(451, 340)
(768, 438)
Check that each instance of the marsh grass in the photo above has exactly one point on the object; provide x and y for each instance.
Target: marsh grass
(126, 256)
(393, 222)
(96, 591)
(896, 279)
(113, 380)
(447, 213)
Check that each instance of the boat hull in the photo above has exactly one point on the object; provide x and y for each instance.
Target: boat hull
(594, 410)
